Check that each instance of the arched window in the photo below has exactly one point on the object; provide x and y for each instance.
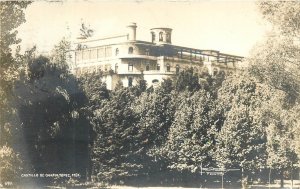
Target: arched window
(147, 67)
(116, 68)
(177, 69)
(158, 67)
(117, 51)
(168, 68)
(153, 37)
(168, 38)
(130, 67)
(130, 80)
(130, 50)
(155, 81)
(160, 36)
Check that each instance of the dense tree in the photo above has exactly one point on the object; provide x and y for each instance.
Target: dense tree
(294, 118)
(130, 126)
(10, 165)
(114, 124)
(241, 141)
(167, 86)
(94, 88)
(276, 59)
(256, 133)
(190, 140)
(280, 128)
(137, 131)
(187, 80)
(49, 105)
(11, 16)
(155, 111)
(284, 15)
(275, 62)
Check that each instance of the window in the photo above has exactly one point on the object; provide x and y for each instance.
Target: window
(155, 81)
(94, 54)
(108, 51)
(147, 52)
(86, 54)
(168, 38)
(201, 59)
(153, 37)
(177, 69)
(130, 67)
(158, 67)
(130, 81)
(116, 68)
(130, 50)
(100, 52)
(117, 51)
(168, 68)
(147, 67)
(160, 36)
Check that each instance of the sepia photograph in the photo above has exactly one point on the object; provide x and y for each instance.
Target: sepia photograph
(150, 94)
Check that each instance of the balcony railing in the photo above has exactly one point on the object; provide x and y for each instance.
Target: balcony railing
(184, 58)
(137, 56)
(157, 72)
(129, 72)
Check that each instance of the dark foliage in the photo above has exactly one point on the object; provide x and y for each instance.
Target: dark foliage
(54, 122)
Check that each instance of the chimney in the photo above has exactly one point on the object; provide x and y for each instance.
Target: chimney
(132, 31)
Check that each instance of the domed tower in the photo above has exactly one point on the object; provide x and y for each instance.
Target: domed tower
(132, 31)
(161, 35)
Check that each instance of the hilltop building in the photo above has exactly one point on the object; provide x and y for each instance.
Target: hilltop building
(123, 58)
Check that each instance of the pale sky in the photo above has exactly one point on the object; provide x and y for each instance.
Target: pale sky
(228, 26)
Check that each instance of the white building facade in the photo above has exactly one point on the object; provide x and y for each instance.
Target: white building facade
(123, 58)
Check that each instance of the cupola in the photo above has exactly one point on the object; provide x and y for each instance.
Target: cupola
(161, 35)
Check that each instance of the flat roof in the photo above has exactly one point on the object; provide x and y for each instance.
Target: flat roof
(212, 53)
(162, 28)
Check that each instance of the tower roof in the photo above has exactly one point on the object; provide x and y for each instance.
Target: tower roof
(162, 28)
